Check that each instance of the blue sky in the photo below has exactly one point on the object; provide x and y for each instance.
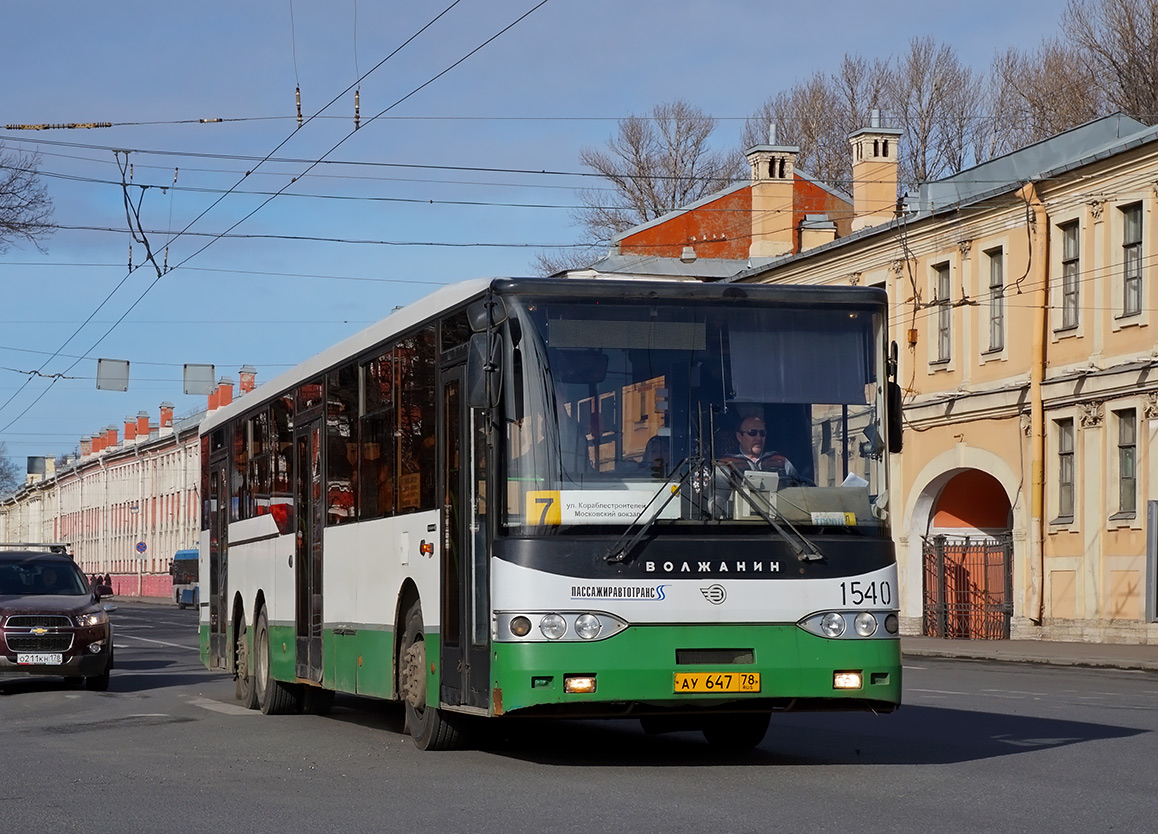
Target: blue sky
(555, 82)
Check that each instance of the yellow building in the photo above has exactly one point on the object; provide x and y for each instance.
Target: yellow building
(1022, 300)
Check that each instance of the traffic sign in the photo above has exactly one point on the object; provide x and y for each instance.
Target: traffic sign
(141, 547)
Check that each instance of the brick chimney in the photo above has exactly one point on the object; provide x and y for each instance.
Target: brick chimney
(874, 173)
(130, 429)
(98, 443)
(773, 169)
(247, 380)
(224, 391)
(166, 418)
(86, 446)
(142, 424)
(110, 437)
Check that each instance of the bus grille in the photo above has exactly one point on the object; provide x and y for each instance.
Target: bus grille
(696, 657)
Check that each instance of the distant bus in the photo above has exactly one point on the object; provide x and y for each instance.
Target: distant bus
(184, 570)
(523, 497)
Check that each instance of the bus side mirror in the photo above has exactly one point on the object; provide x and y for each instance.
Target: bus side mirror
(483, 371)
(896, 424)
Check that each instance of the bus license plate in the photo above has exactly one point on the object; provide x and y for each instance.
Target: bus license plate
(40, 659)
(717, 682)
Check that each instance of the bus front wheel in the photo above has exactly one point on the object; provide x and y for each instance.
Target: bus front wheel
(431, 727)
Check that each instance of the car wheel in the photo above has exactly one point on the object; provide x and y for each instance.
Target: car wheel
(431, 727)
(273, 696)
(100, 683)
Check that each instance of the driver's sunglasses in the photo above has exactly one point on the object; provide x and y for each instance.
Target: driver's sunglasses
(754, 432)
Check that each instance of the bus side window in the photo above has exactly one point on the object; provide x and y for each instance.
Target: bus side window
(376, 466)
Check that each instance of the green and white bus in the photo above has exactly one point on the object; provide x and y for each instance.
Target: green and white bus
(520, 498)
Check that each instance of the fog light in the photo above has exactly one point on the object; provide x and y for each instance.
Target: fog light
(579, 683)
(588, 626)
(95, 648)
(891, 623)
(865, 624)
(553, 626)
(847, 680)
(520, 626)
(832, 624)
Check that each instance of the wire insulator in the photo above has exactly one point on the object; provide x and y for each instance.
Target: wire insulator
(298, 93)
(357, 111)
(130, 257)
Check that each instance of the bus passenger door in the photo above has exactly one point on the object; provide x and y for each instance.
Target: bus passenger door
(217, 506)
(308, 550)
(465, 578)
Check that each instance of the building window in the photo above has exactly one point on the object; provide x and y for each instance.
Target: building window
(1132, 260)
(1065, 468)
(996, 299)
(944, 312)
(1070, 264)
(1127, 458)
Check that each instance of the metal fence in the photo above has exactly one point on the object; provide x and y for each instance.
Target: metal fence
(968, 587)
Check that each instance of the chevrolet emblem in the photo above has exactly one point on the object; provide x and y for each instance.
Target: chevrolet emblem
(39, 631)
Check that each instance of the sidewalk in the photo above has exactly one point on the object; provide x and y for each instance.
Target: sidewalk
(1096, 655)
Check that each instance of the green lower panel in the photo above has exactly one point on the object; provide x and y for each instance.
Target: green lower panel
(203, 640)
(282, 665)
(639, 664)
(359, 662)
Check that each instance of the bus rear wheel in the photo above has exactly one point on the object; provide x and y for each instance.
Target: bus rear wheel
(244, 687)
(741, 731)
(430, 727)
(273, 696)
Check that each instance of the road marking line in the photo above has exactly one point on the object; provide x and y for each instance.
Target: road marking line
(158, 642)
(217, 706)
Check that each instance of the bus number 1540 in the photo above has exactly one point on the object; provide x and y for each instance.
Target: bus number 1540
(858, 593)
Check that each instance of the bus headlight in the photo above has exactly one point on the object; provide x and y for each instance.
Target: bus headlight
(588, 626)
(553, 626)
(520, 626)
(832, 624)
(891, 624)
(865, 624)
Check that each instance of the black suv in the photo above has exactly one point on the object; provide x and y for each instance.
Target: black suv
(52, 621)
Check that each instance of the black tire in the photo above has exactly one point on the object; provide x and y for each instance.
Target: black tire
(243, 682)
(100, 683)
(273, 696)
(430, 727)
(317, 701)
(741, 731)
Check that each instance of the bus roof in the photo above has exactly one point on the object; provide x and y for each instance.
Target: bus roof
(605, 289)
(186, 554)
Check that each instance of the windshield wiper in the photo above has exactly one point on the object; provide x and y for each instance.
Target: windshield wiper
(804, 549)
(620, 550)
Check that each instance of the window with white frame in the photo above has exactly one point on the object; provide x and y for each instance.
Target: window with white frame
(944, 311)
(1065, 468)
(1132, 260)
(1127, 460)
(996, 299)
(1070, 274)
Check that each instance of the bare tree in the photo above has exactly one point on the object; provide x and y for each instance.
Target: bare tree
(9, 471)
(935, 100)
(1034, 95)
(1118, 40)
(655, 165)
(554, 261)
(25, 207)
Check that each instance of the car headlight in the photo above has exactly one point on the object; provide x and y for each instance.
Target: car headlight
(93, 618)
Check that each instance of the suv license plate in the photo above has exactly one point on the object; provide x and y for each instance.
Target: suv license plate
(40, 659)
(716, 682)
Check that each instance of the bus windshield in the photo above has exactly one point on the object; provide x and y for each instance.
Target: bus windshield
(664, 411)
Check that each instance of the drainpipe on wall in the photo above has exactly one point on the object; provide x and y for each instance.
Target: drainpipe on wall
(1039, 266)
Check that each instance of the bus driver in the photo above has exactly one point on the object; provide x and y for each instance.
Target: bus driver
(754, 455)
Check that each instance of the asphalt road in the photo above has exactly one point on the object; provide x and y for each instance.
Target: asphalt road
(977, 747)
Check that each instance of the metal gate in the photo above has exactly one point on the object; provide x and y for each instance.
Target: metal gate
(968, 587)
